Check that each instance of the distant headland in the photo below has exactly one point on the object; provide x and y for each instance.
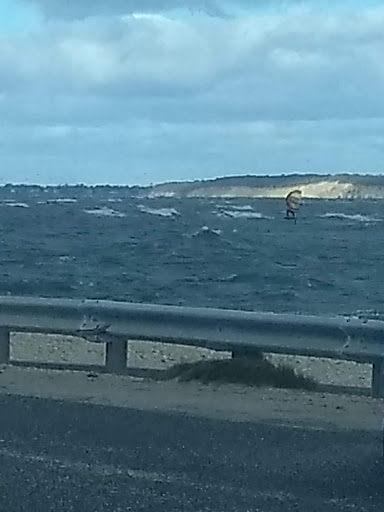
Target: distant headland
(312, 186)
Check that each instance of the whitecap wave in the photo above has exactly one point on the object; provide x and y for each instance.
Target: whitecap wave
(66, 258)
(229, 278)
(17, 205)
(161, 212)
(236, 214)
(105, 212)
(62, 200)
(368, 314)
(207, 231)
(240, 208)
(154, 195)
(357, 217)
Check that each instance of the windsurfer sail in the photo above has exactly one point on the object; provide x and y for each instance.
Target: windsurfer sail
(293, 201)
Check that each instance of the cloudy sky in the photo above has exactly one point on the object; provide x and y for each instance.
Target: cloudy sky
(141, 91)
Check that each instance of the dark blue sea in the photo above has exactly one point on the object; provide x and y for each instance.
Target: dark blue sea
(235, 253)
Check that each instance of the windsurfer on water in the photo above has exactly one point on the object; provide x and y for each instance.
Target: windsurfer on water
(292, 202)
(290, 212)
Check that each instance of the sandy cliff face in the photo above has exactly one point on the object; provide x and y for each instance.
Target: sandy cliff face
(326, 189)
(329, 190)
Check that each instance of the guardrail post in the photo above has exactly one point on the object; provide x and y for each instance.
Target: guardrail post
(378, 378)
(4, 346)
(116, 356)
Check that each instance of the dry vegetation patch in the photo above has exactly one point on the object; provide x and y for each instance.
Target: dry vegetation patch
(253, 371)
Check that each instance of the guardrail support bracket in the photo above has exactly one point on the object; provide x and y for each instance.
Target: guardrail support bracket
(4, 346)
(116, 356)
(378, 379)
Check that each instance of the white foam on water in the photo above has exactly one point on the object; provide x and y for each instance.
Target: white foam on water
(205, 230)
(105, 212)
(161, 212)
(357, 217)
(236, 214)
(245, 208)
(240, 208)
(17, 205)
(154, 195)
(228, 278)
(65, 258)
(63, 200)
(368, 314)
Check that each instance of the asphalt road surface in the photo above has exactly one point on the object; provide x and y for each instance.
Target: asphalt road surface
(62, 456)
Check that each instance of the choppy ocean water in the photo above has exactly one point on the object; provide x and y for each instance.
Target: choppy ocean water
(235, 253)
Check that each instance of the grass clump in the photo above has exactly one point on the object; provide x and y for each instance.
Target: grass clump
(252, 371)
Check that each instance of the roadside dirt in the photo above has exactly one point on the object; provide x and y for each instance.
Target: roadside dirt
(231, 402)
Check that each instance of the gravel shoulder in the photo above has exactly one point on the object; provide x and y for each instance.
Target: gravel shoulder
(232, 402)
(54, 348)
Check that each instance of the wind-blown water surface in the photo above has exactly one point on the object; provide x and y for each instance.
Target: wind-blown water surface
(237, 253)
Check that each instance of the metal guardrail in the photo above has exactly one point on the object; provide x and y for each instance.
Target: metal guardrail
(240, 332)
